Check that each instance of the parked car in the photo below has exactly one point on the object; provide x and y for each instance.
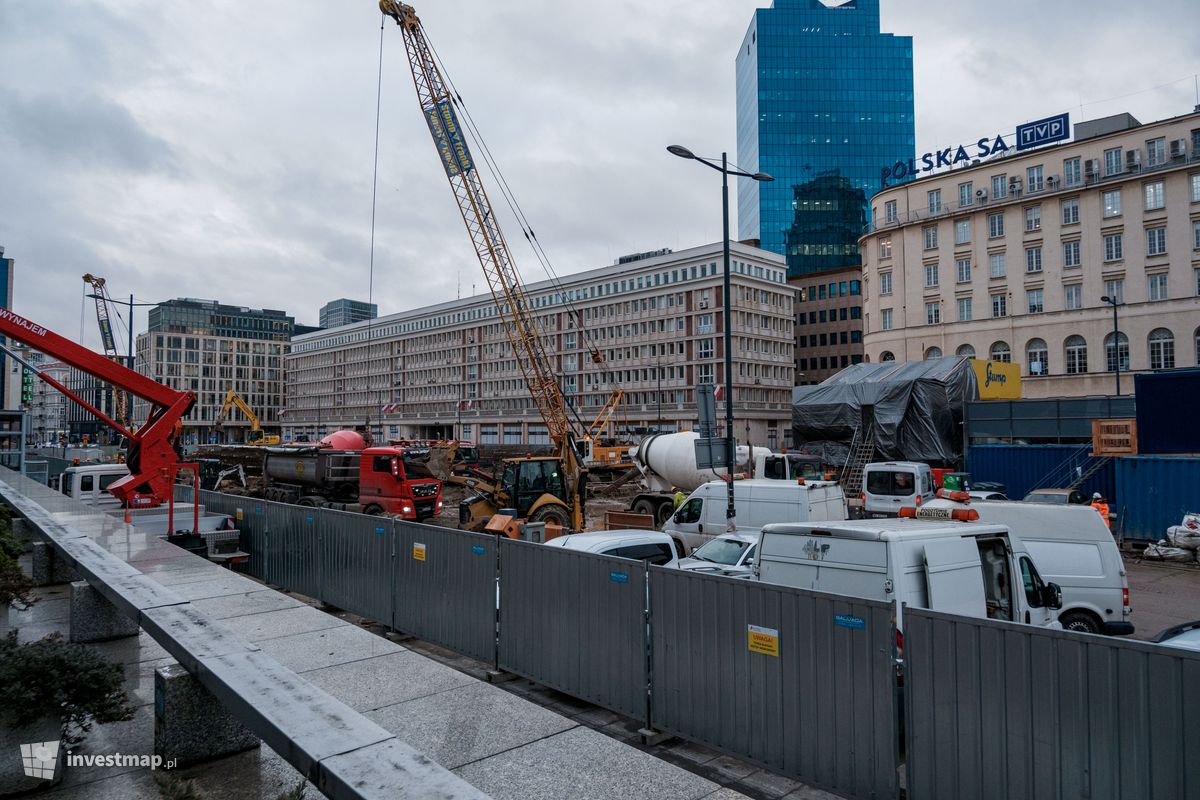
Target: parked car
(729, 554)
(1072, 547)
(639, 545)
(1059, 497)
(1185, 636)
(889, 486)
(978, 495)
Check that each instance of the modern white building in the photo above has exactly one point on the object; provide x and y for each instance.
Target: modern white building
(656, 323)
(48, 408)
(1009, 258)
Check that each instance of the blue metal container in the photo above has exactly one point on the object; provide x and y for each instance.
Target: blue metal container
(1025, 467)
(1153, 493)
(1165, 419)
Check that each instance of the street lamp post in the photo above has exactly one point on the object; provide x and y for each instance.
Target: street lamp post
(1114, 302)
(683, 152)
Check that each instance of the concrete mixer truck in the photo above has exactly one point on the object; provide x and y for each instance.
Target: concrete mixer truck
(667, 463)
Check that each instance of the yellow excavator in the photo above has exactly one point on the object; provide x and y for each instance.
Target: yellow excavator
(256, 435)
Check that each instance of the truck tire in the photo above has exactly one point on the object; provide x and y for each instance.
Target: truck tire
(663, 513)
(645, 506)
(1080, 622)
(555, 514)
(307, 502)
(373, 510)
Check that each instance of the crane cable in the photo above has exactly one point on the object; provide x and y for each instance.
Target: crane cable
(371, 258)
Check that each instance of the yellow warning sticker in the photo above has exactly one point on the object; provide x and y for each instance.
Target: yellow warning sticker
(762, 640)
(418, 551)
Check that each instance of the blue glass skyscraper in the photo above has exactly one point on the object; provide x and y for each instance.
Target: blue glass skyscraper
(824, 100)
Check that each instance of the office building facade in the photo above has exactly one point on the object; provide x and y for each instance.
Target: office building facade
(829, 324)
(346, 312)
(1009, 259)
(208, 348)
(656, 322)
(823, 99)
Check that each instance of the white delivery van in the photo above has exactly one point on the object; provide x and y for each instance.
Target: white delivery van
(90, 482)
(757, 501)
(1074, 548)
(889, 486)
(969, 568)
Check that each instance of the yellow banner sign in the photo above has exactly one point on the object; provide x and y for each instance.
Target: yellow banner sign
(762, 640)
(418, 552)
(997, 380)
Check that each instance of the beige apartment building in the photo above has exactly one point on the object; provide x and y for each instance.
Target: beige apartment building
(1009, 259)
(655, 319)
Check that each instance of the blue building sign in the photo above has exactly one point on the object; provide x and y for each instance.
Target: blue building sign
(1044, 131)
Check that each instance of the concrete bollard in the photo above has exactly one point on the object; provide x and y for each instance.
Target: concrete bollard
(48, 568)
(190, 725)
(95, 619)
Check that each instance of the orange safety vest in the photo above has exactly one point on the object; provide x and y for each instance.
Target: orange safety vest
(1102, 509)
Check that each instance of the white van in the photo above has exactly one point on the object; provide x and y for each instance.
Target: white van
(1074, 548)
(960, 567)
(758, 501)
(90, 482)
(889, 486)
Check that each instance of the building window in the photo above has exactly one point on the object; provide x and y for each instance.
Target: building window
(1115, 289)
(1071, 174)
(1156, 241)
(1154, 195)
(1071, 254)
(1195, 185)
(1076, 355)
(1196, 235)
(1113, 247)
(1033, 259)
(995, 225)
(965, 312)
(1034, 179)
(855, 288)
(1070, 211)
(962, 231)
(1000, 352)
(931, 238)
(931, 275)
(1114, 350)
(996, 265)
(1074, 297)
(889, 212)
(704, 348)
(965, 351)
(964, 270)
(1112, 203)
(885, 247)
(1037, 357)
(1033, 218)
(1156, 287)
(885, 283)
(933, 352)
(933, 313)
(887, 355)
(1156, 152)
(966, 194)
(1036, 301)
(999, 305)
(1112, 161)
(935, 201)
(1162, 349)
(885, 316)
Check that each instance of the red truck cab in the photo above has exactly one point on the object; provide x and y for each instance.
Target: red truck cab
(397, 486)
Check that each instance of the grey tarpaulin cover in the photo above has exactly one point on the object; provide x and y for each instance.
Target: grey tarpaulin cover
(915, 408)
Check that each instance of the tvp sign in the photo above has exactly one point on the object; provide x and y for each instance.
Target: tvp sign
(1044, 131)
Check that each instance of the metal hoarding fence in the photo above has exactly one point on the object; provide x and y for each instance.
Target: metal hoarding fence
(997, 710)
(445, 588)
(801, 682)
(356, 557)
(575, 622)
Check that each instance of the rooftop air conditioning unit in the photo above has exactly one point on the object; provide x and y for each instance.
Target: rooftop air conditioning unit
(1052, 180)
(1133, 159)
(981, 194)
(704, 304)
(1178, 149)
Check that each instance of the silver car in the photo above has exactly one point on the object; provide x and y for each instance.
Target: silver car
(729, 554)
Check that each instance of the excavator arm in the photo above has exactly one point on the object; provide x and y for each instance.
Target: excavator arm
(152, 458)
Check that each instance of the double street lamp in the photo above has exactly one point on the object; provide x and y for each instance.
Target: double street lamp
(723, 168)
(1114, 302)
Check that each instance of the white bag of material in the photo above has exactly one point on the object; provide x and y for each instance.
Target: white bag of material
(1165, 552)
(1179, 536)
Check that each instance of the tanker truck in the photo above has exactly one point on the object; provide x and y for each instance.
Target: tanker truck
(341, 473)
(667, 463)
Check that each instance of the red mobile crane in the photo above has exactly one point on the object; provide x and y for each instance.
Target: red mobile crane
(152, 460)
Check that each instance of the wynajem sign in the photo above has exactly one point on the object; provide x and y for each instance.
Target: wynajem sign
(1031, 134)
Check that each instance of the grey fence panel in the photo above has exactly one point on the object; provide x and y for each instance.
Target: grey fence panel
(293, 545)
(575, 622)
(356, 558)
(996, 710)
(801, 682)
(445, 588)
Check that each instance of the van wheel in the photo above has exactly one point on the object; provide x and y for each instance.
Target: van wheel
(680, 547)
(1080, 622)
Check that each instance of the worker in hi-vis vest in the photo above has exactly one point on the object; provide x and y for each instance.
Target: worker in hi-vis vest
(1101, 508)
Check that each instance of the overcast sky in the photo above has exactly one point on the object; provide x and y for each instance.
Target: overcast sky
(223, 149)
